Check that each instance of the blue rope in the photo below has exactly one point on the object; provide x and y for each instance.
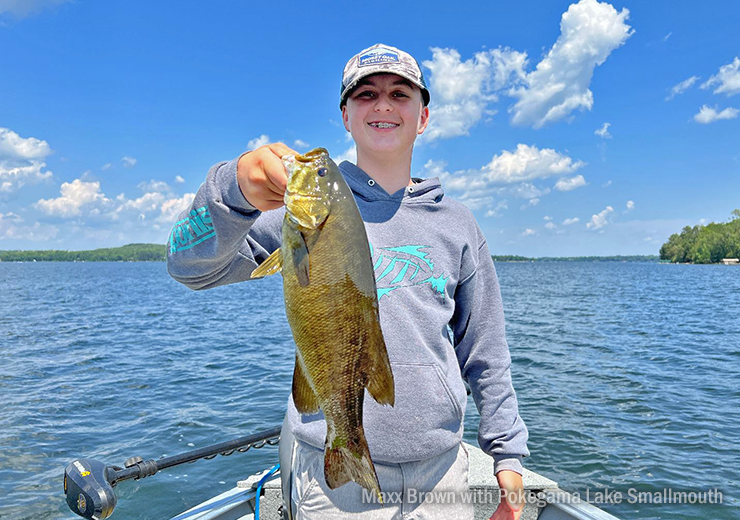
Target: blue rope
(259, 490)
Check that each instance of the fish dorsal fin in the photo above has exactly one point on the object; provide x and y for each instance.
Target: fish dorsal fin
(273, 265)
(379, 375)
(303, 395)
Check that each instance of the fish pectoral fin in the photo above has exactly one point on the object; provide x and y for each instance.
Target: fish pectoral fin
(303, 395)
(300, 260)
(272, 265)
(379, 374)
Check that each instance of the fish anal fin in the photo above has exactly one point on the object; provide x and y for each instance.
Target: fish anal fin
(303, 395)
(272, 265)
(379, 374)
(350, 461)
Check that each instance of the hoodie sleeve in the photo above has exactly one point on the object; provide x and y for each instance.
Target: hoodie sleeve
(483, 354)
(221, 238)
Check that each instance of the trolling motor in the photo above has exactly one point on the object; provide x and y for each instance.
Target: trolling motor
(88, 484)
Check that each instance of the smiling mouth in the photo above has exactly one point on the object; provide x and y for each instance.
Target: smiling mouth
(383, 125)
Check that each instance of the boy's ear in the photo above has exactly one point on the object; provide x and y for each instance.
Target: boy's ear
(423, 120)
(345, 117)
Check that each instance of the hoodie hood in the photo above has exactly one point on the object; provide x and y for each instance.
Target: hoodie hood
(427, 191)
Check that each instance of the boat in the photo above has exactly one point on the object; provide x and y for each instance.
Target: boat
(546, 500)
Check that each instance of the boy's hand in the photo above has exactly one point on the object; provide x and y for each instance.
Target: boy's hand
(262, 177)
(512, 501)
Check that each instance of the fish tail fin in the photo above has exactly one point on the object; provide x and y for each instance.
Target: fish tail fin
(351, 462)
(379, 375)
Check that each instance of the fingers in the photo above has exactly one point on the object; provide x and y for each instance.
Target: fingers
(274, 170)
(262, 177)
(281, 149)
(512, 487)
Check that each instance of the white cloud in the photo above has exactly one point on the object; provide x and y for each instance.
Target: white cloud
(473, 195)
(682, 87)
(74, 195)
(298, 143)
(606, 184)
(600, 220)
(128, 162)
(350, 154)
(507, 173)
(13, 228)
(152, 185)
(21, 161)
(727, 79)
(589, 32)
(630, 205)
(547, 217)
(496, 210)
(13, 146)
(550, 225)
(147, 203)
(527, 190)
(107, 166)
(461, 90)
(570, 221)
(13, 177)
(255, 143)
(603, 132)
(179, 179)
(568, 184)
(665, 38)
(529, 232)
(23, 8)
(708, 115)
(527, 163)
(85, 199)
(171, 208)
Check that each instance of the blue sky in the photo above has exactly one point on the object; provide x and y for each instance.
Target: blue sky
(569, 128)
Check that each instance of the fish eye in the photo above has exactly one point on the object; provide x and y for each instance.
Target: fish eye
(322, 172)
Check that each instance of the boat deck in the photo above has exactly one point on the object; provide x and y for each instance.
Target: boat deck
(238, 503)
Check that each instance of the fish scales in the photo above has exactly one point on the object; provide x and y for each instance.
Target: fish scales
(332, 308)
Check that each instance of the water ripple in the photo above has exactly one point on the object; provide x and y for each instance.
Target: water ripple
(626, 376)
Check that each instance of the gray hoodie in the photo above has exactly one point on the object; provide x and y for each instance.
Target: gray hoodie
(434, 275)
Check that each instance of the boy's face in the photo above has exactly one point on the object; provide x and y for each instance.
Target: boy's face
(385, 113)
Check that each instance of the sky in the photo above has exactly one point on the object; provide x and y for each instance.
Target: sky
(568, 128)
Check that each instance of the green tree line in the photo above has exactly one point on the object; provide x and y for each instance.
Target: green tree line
(128, 253)
(704, 244)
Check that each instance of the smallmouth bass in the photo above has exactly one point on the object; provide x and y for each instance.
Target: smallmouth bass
(332, 308)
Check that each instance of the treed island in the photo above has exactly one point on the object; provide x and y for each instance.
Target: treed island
(701, 244)
(708, 244)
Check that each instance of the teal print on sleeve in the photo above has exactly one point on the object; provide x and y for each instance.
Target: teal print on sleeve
(191, 231)
(405, 266)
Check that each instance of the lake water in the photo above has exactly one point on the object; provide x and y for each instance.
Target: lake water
(627, 374)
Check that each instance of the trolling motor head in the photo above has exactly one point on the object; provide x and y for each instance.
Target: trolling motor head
(88, 486)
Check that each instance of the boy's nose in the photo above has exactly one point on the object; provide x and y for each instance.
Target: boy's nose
(383, 104)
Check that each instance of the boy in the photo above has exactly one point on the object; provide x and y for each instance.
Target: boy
(433, 270)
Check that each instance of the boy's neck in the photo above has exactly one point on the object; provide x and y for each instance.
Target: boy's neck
(391, 172)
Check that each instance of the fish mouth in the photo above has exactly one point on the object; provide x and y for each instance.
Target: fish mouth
(312, 155)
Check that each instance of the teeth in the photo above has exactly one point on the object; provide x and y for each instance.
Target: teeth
(383, 125)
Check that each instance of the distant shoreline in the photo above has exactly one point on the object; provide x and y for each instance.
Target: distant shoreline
(158, 253)
(614, 258)
(127, 253)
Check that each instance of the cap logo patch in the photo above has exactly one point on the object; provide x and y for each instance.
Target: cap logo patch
(375, 57)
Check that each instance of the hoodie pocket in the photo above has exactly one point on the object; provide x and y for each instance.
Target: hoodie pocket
(425, 420)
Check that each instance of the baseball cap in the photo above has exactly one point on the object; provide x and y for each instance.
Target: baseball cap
(382, 58)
